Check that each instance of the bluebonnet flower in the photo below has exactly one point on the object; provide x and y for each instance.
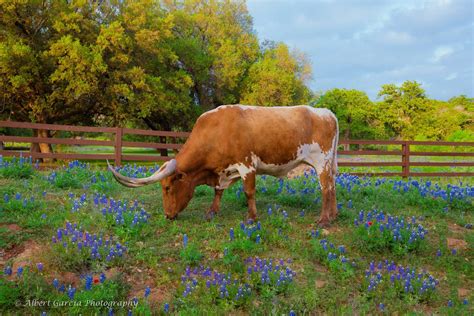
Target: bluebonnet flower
(231, 233)
(71, 292)
(102, 277)
(438, 253)
(88, 284)
(19, 271)
(465, 301)
(292, 313)
(166, 308)
(7, 270)
(450, 303)
(454, 251)
(147, 291)
(185, 240)
(39, 266)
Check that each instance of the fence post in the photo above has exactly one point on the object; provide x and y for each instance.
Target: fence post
(406, 159)
(163, 151)
(118, 146)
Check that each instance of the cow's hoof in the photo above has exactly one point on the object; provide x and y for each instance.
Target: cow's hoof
(210, 215)
(251, 220)
(324, 223)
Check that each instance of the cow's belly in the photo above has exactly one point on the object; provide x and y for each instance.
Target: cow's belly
(307, 153)
(277, 170)
(256, 164)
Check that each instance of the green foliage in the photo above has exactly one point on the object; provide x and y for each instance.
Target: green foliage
(69, 178)
(356, 114)
(16, 168)
(283, 76)
(326, 253)
(373, 239)
(190, 254)
(405, 112)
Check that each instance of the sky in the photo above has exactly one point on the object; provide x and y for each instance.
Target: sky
(363, 44)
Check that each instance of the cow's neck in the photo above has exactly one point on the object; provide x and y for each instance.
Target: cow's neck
(195, 172)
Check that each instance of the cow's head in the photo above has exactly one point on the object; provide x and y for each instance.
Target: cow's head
(177, 192)
(177, 188)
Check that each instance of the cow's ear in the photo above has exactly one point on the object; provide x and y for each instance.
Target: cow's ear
(180, 176)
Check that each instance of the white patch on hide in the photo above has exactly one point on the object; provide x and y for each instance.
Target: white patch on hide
(237, 170)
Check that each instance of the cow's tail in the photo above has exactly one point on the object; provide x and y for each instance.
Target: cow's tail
(334, 147)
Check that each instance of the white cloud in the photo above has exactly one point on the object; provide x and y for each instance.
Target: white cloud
(441, 52)
(363, 44)
(452, 76)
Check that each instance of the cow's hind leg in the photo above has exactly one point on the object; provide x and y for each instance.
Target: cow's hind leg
(328, 190)
(249, 189)
(216, 204)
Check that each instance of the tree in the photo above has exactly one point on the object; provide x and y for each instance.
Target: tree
(87, 62)
(401, 108)
(355, 112)
(277, 78)
(407, 113)
(215, 44)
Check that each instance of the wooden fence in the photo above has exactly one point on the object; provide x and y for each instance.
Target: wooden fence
(174, 141)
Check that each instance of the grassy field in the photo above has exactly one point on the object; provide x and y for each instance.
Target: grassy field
(74, 241)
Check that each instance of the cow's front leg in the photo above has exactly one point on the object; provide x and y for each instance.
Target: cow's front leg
(249, 189)
(216, 204)
(328, 190)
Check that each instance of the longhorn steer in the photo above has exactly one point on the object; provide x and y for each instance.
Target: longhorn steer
(236, 141)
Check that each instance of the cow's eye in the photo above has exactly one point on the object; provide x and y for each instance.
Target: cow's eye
(167, 189)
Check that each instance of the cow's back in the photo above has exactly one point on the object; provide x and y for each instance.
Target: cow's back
(234, 133)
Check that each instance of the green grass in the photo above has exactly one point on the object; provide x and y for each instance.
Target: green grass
(156, 257)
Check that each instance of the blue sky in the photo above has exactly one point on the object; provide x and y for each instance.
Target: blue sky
(363, 44)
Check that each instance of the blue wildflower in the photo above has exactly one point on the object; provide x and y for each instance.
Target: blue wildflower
(185, 240)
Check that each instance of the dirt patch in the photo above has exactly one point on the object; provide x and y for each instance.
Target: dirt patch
(111, 273)
(69, 278)
(28, 256)
(320, 283)
(321, 268)
(456, 229)
(12, 227)
(463, 293)
(158, 295)
(454, 243)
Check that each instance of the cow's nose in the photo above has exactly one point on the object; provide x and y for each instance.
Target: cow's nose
(171, 217)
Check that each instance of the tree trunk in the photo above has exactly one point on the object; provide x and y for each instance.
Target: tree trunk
(42, 147)
(163, 151)
(346, 137)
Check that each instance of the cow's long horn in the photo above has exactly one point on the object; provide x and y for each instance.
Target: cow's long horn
(166, 170)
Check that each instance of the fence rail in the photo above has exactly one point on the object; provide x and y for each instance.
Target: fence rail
(174, 141)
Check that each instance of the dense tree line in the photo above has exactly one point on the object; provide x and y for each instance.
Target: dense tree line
(159, 64)
(403, 112)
